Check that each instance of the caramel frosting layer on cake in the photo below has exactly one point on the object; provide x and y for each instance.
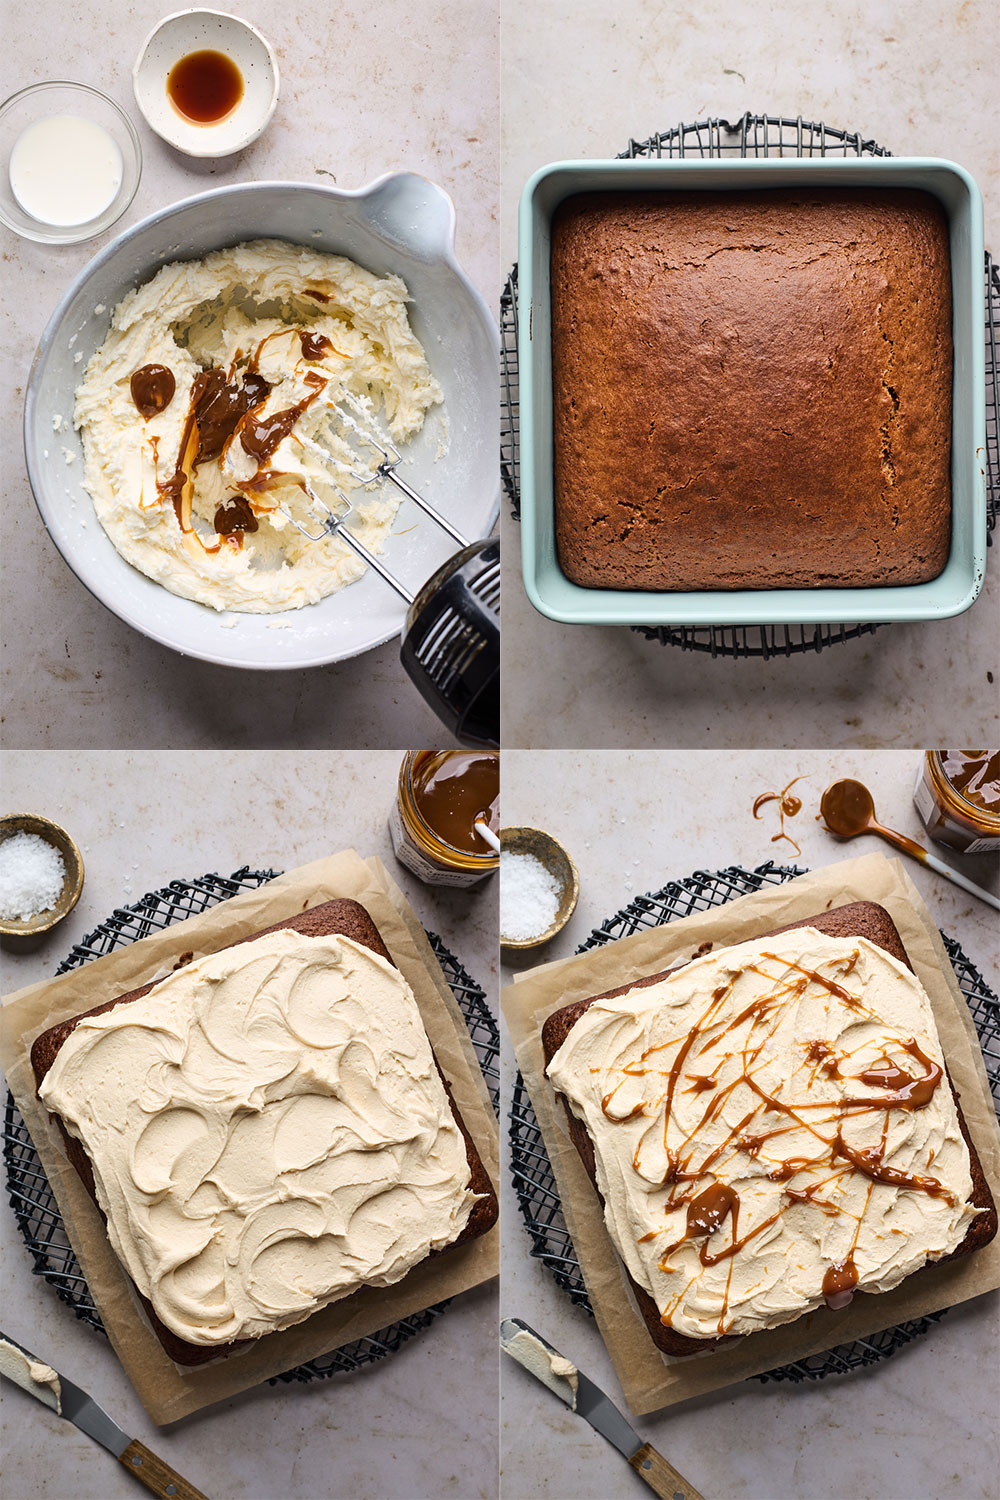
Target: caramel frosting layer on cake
(268, 1131)
(773, 1129)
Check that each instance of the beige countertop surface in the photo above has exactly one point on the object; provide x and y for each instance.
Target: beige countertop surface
(364, 91)
(418, 1425)
(915, 1427)
(581, 80)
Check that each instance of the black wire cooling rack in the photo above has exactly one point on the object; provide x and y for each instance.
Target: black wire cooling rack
(534, 1181)
(753, 135)
(28, 1190)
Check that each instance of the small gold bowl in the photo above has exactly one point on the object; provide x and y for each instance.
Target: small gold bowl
(549, 852)
(26, 935)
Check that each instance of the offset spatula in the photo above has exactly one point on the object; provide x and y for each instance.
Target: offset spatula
(82, 1410)
(585, 1398)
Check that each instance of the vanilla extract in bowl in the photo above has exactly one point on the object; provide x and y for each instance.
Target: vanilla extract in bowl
(205, 86)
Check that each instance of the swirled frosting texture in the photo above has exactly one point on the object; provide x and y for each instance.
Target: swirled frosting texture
(34, 1376)
(314, 330)
(772, 1130)
(268, 1131)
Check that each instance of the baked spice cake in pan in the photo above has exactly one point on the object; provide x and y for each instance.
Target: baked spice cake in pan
(265, 1131)
(751, 390)
(770, 1127)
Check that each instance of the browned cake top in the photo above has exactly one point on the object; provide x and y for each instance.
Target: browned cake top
(751, 389)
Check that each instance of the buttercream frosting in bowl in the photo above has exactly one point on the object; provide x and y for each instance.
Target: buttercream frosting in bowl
(209, 421)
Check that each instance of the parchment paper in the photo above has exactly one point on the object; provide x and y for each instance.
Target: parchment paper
(167, 1390)
(652, 1380)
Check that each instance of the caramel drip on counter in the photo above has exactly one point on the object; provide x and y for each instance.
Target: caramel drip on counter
(789, 806)
(709, 1208)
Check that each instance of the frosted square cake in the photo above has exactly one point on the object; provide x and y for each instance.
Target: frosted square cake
(265, 1131)
(770, 1127)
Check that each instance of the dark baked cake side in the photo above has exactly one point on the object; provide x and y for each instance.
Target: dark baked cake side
(751, 389)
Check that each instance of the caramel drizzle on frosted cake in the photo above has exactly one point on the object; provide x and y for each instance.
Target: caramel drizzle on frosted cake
(702, 1166)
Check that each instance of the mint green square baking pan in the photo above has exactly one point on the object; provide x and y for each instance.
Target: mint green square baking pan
(952, 592)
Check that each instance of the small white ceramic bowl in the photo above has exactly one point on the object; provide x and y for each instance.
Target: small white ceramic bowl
(189, 31)
(40, 102)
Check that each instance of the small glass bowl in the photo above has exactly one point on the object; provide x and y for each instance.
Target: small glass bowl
(40, 102)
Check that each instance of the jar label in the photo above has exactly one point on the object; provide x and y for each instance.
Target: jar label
(923, 800)
(414, 859)
(983, 846)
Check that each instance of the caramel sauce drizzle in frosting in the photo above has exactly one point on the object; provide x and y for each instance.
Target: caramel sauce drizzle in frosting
(715, 1207)
(314, 345)
(152, 389)
(221, 408)
(233, 517)
(260, 436)
(216, 407)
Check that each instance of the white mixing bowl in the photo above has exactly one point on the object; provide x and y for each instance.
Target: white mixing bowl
(400, 223)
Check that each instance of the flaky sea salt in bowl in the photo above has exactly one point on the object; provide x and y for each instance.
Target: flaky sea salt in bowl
(539, 888)
(41, 877)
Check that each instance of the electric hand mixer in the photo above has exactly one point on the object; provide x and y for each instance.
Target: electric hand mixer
(451, 638)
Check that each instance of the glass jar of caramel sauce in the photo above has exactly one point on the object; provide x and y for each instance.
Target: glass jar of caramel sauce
(440, 796)
(958, 798)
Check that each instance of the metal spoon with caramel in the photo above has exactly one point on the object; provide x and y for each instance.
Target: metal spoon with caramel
(848, 809)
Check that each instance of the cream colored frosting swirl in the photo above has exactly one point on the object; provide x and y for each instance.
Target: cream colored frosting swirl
(239, 310)
(772, 1129)
(34, 1376)
(552, 1369)
(268, 1131)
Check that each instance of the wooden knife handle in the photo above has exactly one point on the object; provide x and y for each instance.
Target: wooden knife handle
(662, 1477)
(157, 1475)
